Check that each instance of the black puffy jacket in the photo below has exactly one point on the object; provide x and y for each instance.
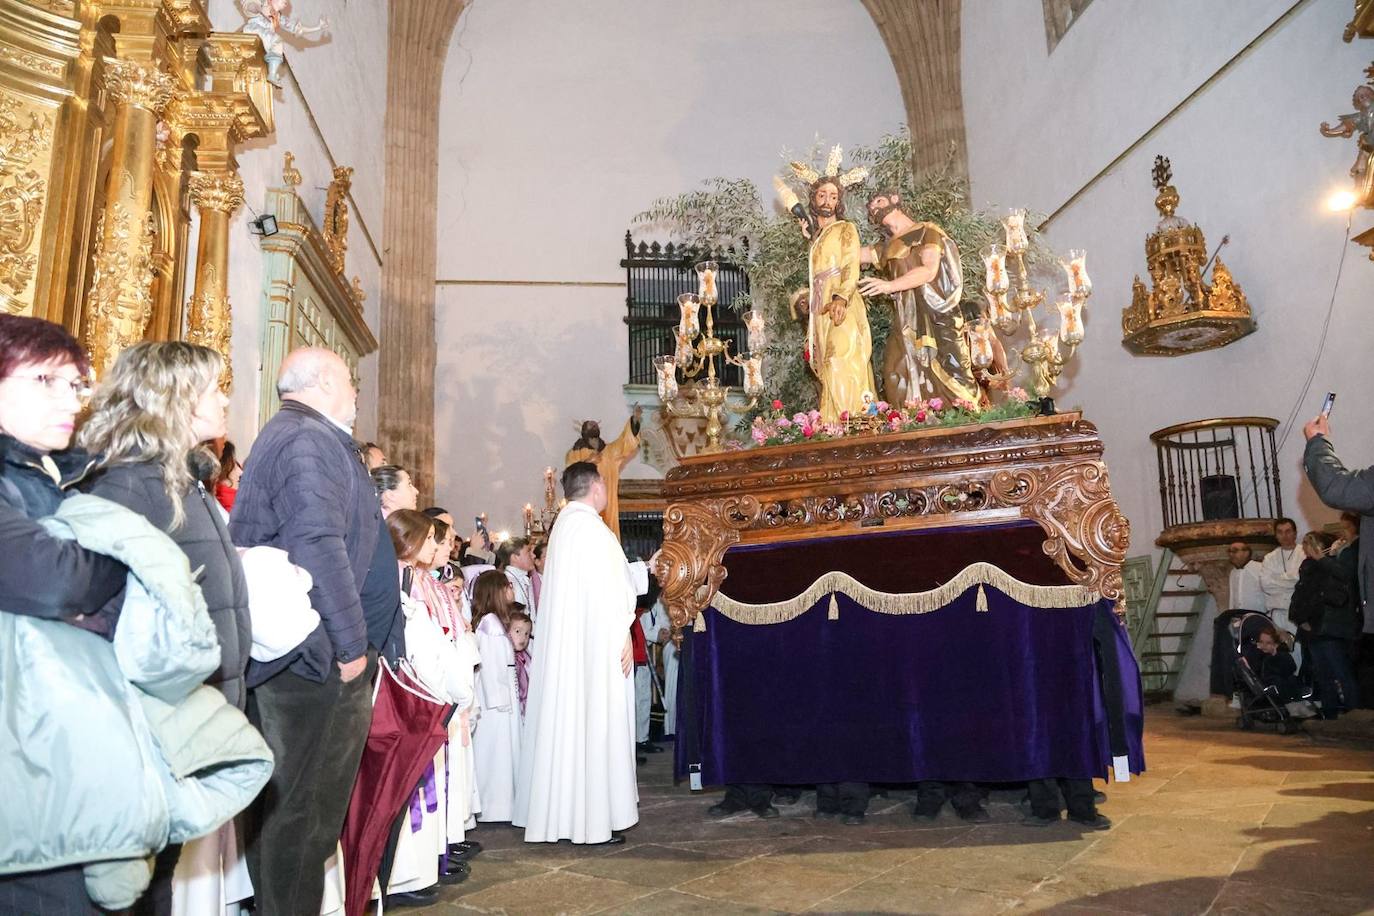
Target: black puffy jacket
(41, 575)
(1326, 598)
(204, 537)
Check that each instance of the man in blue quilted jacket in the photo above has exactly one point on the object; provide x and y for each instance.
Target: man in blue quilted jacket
(306, 490)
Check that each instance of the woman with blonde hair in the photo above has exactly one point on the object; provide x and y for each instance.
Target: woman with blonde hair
(149, 419)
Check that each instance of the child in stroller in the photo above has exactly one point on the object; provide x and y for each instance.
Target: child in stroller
(1268, 674)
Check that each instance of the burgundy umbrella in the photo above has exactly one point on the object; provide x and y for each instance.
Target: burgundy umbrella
(407, 731)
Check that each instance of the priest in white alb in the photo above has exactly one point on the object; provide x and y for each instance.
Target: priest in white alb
(577, 766)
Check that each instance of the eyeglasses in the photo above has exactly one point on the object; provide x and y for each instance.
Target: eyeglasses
(57, 385)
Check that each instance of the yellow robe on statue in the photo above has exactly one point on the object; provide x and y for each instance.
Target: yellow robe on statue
(610, 461)
(841, 355)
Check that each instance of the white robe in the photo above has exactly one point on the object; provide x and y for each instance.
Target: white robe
(496, 744)
(577, 766)
(1278, 577)
(524, 590)
(653, 620)
(1246, 591)
(464, 800)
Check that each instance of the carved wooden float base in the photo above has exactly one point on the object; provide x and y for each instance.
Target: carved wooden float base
(1045, 469)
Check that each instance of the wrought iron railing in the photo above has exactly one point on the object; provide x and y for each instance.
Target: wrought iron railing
(1210, 470)
(655, 275)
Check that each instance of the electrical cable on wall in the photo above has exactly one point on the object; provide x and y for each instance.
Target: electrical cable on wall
(1321, 341)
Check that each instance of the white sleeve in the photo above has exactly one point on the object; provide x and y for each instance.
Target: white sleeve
(639, 577)
(495, 670)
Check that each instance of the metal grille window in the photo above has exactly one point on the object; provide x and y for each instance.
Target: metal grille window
(641, 533)
(655, 275)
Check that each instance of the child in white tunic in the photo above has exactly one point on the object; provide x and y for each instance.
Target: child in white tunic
(497, 742)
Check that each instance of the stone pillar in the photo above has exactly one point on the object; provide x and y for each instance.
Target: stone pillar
(923, 41)
(418, 43)
(121, 301)
(209, 316)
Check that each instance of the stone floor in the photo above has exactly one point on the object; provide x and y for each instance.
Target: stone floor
(1224, 822)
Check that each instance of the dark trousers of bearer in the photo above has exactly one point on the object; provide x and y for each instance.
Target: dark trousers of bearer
(842, 797)
(1078, 797)
(931, 797)
(748, 795)
(316, 732)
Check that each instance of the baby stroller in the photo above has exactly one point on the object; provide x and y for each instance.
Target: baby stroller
(1261, 702)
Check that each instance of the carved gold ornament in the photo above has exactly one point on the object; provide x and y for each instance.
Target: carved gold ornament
(336, 216)
(290, 175)
(141, 85)
(25, 133)
(221, 191)
(121, 299)
(1181, 312)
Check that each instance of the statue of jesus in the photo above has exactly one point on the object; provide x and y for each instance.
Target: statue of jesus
(837, 335)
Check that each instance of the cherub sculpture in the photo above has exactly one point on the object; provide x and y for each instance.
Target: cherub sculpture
(1360, 125)
(265, 19)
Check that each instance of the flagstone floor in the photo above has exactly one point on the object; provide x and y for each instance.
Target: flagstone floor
(1224, 822)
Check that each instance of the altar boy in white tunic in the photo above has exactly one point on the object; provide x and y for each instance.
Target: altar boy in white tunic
(577, 768)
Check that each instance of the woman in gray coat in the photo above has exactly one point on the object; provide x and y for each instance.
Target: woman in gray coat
(154, 410)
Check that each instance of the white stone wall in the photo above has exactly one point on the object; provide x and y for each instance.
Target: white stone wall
(330, 111)
(1248, 162)
(559, 122)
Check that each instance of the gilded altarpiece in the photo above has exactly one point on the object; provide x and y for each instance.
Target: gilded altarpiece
(306, 301)
(117, 118)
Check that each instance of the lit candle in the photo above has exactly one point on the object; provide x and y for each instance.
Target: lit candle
(1015, 224)
(685, 353)
(549, 491)
(529, 518)
(982, 351)
(689, 326)
(758, 336)
(1076, 268)
(1070, 321)
(753, 374)
(666, 369)
(706, 281)
(1005, 318)
(995, 260)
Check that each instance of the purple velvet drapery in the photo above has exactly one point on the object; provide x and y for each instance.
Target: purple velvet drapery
(1012, 694)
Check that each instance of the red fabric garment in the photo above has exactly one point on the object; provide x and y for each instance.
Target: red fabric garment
(225, 494)
(637, 637)
(407, 731)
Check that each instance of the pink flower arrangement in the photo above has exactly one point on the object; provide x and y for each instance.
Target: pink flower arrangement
(778, 427)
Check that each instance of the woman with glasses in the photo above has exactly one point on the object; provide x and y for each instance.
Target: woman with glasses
(155, 410)
(42, 389)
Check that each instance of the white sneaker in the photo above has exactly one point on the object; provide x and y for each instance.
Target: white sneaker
(1235, 701)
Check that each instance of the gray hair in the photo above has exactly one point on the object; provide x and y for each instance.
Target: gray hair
(300, 370)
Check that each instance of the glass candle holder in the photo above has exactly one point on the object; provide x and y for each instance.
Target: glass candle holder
(753, 373)
(1003, 317)
(706, 281)
(1076, 269)
(1070, 320)
(685, 354)
(995, 263)
(1050, 339)
(758, 336)
(689, 325)
(666, 369)
(980, 345)
(1015, 226)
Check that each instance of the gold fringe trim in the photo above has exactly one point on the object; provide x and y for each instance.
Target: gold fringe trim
(1045, 597)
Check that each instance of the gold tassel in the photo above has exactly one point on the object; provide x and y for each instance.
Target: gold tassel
(699, 625)
(982, 603)
(1044, 597)
(834, 608)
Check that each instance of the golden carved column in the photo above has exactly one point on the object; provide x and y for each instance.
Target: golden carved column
(209, 316)
(120, 302)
